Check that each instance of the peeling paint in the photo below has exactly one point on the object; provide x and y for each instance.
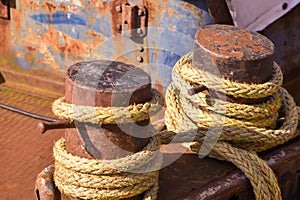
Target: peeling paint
(52, 35)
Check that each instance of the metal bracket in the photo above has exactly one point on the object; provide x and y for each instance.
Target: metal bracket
(9, 4)
(130, 20)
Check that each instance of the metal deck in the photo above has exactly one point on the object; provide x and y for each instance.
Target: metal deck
(24, 152)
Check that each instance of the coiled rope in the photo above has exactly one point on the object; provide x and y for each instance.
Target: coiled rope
(108, 179)
(107, 115)
(245, 129)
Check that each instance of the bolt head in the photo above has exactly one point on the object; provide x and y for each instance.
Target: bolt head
(139, 31)
(139, 59)
(119, 27)
(118, 8)
(140, 12)
(141, 49)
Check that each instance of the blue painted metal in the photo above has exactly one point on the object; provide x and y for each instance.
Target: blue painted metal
(55, 34)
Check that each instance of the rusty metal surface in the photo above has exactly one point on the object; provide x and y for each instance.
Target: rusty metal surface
(38, 86)
(233, 53)
(106, 83)
(24, 151)
(236, 54)
(284, 160)
(129, 19)
(219, 11)
(191, 178)
(105, 142)
(285, 34)
(46, 126)
(45, 37)
(44, 185)
(3, 12)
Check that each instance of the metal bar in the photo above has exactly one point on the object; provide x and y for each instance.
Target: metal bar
(196, 89)
(45, 126)
(28, 114)
(8, 9)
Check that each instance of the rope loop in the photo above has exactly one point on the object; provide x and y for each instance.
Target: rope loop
(108, 115)
(235, 89)
(231, 131)
(108, 179)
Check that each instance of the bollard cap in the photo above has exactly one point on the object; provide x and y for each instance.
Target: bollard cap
(234, 53)
(103, 83)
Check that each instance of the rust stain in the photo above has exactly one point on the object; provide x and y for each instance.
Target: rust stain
(170, 11)
(51, 7)
(17, 22)
(102, 6)
(66, 7)
(153, 9)
(4, 38)
(30, 48)
(241, 42)
(97, 38)
(70, 47)
(5, 48)
(3, 12)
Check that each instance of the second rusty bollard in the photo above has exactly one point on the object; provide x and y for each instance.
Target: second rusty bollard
(235, 54)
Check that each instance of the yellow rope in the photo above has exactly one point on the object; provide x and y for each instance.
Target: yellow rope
(107, 115)
(244, 90)
(246, 129)
(108, 179)
(237, 110)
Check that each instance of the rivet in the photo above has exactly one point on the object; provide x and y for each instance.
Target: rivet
(139, 31)
(118, 8)
(139, 59)
(141, 49)
(119, 27)
(140, 12)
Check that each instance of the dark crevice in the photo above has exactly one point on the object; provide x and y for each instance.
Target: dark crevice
(2, 80)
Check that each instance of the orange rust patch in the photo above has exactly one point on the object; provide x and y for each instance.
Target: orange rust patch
(231, 43)
(170, 11)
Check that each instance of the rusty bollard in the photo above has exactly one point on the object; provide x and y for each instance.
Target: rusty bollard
(235, 54)
(95, 84)
(105, 84)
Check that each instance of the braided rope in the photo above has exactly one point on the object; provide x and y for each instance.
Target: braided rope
(245, 128)
(244, 90)
(108, 115)
(261, 176)
(108, 179)
(237, 110)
